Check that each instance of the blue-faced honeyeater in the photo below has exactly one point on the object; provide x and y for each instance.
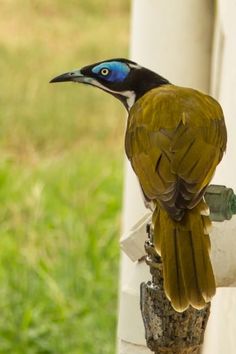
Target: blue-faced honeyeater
(175, 138)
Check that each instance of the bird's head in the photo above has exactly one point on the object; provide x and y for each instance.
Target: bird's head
(123, 78)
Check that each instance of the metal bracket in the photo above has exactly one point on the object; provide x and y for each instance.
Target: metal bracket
(221, 201)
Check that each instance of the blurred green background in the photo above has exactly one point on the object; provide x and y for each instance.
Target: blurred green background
(61, 163)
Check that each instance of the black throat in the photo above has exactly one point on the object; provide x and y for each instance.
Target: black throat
(145, 80)
(140, 81)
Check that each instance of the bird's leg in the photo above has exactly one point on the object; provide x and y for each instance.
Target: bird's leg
(152, 258)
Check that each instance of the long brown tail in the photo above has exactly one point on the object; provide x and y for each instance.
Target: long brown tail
(184, 247)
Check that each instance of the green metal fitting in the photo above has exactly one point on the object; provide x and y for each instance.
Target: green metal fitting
(221, 201)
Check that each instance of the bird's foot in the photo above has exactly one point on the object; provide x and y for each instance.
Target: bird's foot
(152, 258)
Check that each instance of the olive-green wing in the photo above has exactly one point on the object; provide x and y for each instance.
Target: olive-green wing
(175, 138)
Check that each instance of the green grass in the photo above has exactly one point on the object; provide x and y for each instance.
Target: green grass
(60, 178)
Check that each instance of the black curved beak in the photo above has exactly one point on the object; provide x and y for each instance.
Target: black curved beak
(75, 76)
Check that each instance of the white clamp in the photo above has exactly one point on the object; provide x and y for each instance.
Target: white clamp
(132, 243)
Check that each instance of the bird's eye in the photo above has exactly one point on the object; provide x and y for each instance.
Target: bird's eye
(104, 71)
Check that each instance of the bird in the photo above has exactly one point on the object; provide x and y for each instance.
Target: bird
(175, 137)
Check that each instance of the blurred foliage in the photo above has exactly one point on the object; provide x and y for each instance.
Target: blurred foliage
(40, 39)
(60, 177)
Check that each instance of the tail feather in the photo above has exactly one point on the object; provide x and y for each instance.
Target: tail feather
(189, 268)
(167, 245)
(174, 283)
(184, 248)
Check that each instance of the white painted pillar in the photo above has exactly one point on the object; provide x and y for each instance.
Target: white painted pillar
(174, 39)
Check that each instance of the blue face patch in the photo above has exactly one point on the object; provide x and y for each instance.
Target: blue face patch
(112, 71)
